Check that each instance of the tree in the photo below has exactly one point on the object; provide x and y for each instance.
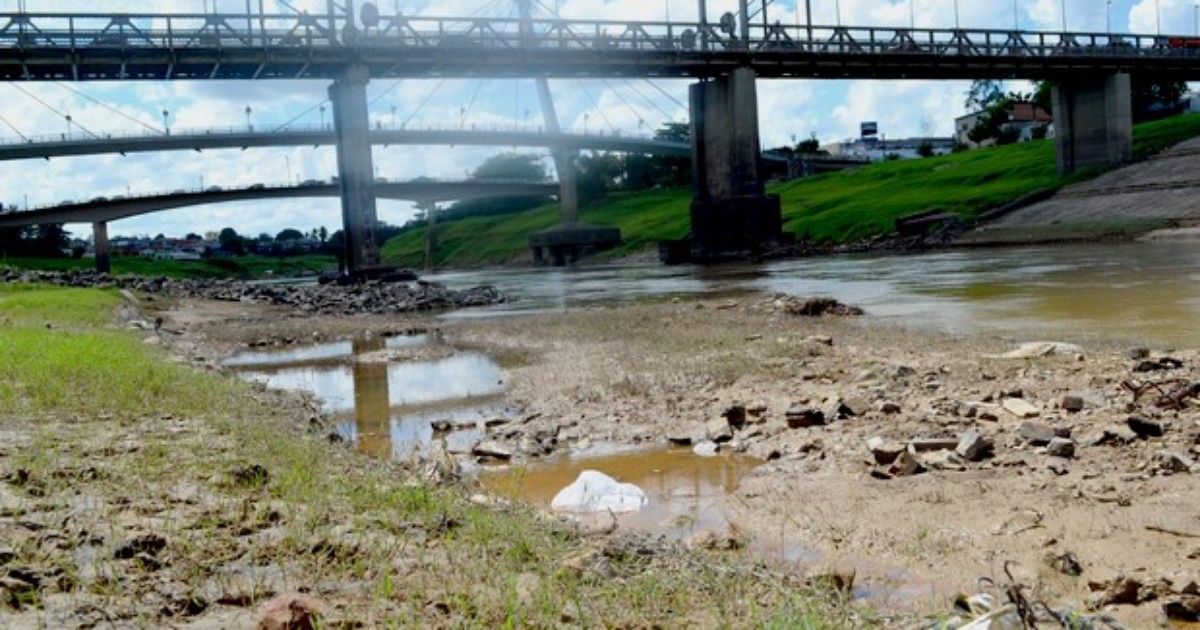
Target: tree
(1153, 98)
(289, 234)
(231, 242)
(648, 171)
(192, 236)
(991, 125)
(811, 145)
(322, 234)
(982, 94)
(925, 149)
(596, 174)
(519, 167)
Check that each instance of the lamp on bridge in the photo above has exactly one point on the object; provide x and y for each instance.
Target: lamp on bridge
(322, 118)
(166, 128)
(249, 111)
(68, 117)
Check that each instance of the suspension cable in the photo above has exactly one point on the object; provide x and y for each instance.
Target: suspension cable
(10, 126)
(424, 102)
(51, 108)
(109, 107)
(596, 105)
(301, 115)
(652, 102)
(628, 106)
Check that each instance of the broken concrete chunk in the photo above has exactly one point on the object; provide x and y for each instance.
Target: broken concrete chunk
(883, 451)
(1036, 433)
(1061, 447)
(801, 417)
(1175, 461)
(905, 464)
(1020, 408)
(1072, 404)
(1145, 428)
(973, 446)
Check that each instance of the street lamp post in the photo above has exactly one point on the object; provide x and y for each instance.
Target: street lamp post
(912, 15)
(1064, 15)
(957, 24)
(837, 7)
(585, 122)
(1196, 19)
(249, 111)
(68, 126)
(287, 160)
(322, 118)
(166, 127)
(1157, 17)
(1016, 17)
(1108, 18)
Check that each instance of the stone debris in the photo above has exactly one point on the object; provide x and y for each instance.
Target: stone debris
(292, 611)
(802, 417)
(1073, 404)
(594, 491)
(1145, 428)
(1020, 408)
(816, 307)
(378, 297)
(1038, 349)
(1037, 433)
(1061, 447)
(973, 446)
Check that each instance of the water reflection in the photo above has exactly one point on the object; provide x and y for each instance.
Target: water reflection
(1139, 292)
(387, 407)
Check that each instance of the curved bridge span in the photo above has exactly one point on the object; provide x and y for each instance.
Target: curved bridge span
(102, 211)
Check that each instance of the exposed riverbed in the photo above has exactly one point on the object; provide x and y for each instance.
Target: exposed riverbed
(642, 357)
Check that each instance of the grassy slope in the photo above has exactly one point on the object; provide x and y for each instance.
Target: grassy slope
(400, 552)
(840, 206)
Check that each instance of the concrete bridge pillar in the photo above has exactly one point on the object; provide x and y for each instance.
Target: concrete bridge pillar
(1093, 122)
(100, 245)
(356, 172)
(732, 216)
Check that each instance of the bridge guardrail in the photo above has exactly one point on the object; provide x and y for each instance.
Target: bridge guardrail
(28, 31)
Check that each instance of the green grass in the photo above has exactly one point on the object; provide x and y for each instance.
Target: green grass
(240, 267)
(59, 354)
(838, 207)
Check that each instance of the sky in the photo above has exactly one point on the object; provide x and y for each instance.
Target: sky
(789, 110)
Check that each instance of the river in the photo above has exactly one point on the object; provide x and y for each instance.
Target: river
(1144, 293)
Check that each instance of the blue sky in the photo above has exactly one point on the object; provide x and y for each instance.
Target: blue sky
(831, 110)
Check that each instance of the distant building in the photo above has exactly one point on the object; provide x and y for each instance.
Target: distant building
(1027, 121)
(878, 148)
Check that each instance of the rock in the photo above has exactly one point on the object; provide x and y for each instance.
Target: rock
(889, 407)
(292, 611)
(883, 451)
(493, 450)
(706, 448)
(1183, 608)
(1036, 433)
(1175, 461)
(687, 435)
(905, 464)
(1158, 365)
(1120, 590)
(594, 491)
(1072, 404)
(712, 541)
(1138, 352)
(1061, 447)
(801, 417)
(719, 431)
(942, 460)
(973, 446)
(1038, 349)
(1020, 408)
(735, 416)
(1145, 428)
(1115, 434)
(1065, 563)
(930, 445)
(818, 307)
(462, 442)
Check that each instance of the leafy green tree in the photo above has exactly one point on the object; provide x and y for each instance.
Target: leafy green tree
(513, 167)
(231, 242)
(289, 234)
(983, 93)
(596, 174)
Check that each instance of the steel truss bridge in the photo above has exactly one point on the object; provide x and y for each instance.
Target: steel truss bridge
(82, 47)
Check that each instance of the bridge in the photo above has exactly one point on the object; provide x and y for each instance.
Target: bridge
(731, 213)
(100, 211)
(234, 138)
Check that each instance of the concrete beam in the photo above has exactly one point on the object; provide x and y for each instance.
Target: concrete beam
(1093, 122)
(356, 171)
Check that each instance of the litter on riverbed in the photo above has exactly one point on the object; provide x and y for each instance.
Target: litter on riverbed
(595, 491)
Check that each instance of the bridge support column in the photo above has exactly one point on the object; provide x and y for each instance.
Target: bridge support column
(356, 172)
(1093, 122)
(100, 245)
(732, 216)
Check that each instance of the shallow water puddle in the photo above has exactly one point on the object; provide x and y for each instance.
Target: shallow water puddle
(387, 404)
(687, 493)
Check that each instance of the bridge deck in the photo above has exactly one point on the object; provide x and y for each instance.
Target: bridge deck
(39, 47)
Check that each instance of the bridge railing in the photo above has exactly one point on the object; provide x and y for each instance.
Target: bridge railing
(179, 31)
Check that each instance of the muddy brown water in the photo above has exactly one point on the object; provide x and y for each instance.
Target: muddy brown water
(1145, 293)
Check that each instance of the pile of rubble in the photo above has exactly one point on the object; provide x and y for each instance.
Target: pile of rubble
(375, 297)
